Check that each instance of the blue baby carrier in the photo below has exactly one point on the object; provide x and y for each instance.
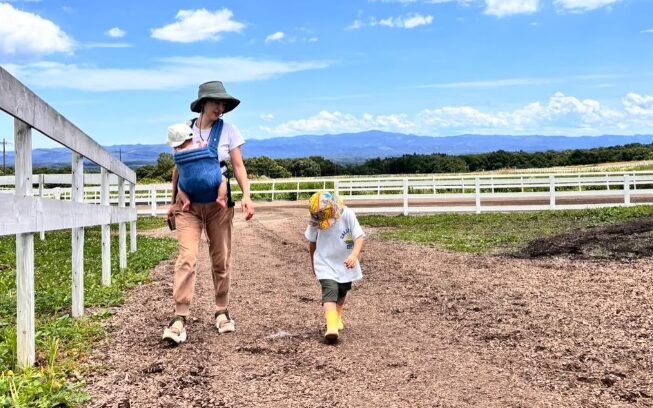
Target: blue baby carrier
(199, 169)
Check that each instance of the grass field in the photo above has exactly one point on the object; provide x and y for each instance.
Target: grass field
(491, 232)
(62, 342)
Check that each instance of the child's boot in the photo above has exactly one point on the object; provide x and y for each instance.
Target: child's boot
(341, 325)
(331, 334)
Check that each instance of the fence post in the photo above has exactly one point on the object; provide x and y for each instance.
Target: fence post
(25, 337)
(41, 183)
(122, 228)
(552, 192)
(106, 229)
(132, 224)
(153, 200)
(335, 186)
(273, 183)
(77, 195)
(626, 189)
(477, 181)
(297, 191)
(57, 193)
(405, 196)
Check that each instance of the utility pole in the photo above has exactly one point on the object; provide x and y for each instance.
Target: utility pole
(4, 162)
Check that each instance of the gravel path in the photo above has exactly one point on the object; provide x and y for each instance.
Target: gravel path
(424, 328)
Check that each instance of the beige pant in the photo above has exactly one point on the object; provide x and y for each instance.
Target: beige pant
(217, 223)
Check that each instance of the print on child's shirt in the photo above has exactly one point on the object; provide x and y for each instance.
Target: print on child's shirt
(346, 236)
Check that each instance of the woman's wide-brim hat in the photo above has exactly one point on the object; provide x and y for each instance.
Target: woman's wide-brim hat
(213, 90)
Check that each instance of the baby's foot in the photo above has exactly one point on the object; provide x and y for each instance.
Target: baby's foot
(222, 203)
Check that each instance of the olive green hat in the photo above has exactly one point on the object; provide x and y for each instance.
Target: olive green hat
(213, 90)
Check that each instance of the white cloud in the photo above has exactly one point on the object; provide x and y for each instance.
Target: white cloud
(494, 83)
(407, 22)
(639, 105)
(27, 34)
(198, 25)
(650, 30)
(337, 122)
(356, 25)
(313, 40)
(502, 8)
(582, 5)
(172, 73)
(561, 114)
(278, 36)
(267, 117)
(115, 32)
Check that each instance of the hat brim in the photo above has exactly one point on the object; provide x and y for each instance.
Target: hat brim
(230, 102)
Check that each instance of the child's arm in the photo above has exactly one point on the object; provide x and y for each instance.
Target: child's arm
(311, 249)
(351, 260)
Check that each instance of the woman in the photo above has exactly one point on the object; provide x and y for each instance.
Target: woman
(212, 102)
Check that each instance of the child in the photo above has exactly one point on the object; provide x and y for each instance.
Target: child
(336, 240)
(180, 138)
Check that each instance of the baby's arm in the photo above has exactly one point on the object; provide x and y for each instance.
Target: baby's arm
(222, 193)
(351, 260)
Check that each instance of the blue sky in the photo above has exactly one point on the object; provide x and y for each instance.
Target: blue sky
(124, 71)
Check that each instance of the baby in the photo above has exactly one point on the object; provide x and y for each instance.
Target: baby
(180, 138)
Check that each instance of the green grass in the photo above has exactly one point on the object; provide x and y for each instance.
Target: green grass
(493, 232)
(61, 342)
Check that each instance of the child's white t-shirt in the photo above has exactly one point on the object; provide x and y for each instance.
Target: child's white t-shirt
(334, 245)
(230, 139)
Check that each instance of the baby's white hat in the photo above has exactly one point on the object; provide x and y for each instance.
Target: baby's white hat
(178, 134)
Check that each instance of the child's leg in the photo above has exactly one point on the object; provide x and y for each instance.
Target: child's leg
(343, 289)
(329, 299)
(185, 201)
(222, 193)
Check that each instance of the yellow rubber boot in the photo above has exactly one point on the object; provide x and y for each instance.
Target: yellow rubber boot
(331, 334)
(341, 325)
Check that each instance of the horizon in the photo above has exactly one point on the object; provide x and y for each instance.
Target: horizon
(427, 68)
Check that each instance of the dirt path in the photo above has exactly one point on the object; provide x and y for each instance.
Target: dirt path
(425, 328)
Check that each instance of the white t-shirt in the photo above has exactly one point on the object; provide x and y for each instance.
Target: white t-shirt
(230, 139)
(334, 245)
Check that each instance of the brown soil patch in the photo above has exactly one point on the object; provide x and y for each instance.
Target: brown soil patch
(425, 328)
(629, 240)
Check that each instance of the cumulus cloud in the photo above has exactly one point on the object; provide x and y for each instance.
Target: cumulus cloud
(582, 5)
(278, 36)
(338, 122)
(501, 8)
(198, 25)
(639, 105)
(115, 32)
(172, 73)
(560, 114)
(27, 34)
(407, 22)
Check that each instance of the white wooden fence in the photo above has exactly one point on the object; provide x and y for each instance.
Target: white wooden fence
(23, 214)
(497, 192)
(415, 194)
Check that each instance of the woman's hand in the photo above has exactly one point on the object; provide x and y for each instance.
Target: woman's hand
(247, 206)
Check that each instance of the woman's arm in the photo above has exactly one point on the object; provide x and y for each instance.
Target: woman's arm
(175, 180)
(241, 176)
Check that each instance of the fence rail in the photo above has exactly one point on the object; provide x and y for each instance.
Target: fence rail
(25, 214)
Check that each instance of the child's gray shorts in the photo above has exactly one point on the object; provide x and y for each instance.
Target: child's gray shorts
(333, 291)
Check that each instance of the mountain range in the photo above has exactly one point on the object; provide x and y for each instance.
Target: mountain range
(353, 147)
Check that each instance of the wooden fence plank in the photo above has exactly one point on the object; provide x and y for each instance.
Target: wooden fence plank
(77, 166)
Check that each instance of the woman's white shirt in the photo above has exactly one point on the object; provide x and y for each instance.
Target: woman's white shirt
(230, 139)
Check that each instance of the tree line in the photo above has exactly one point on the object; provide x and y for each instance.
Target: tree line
(316, 166)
